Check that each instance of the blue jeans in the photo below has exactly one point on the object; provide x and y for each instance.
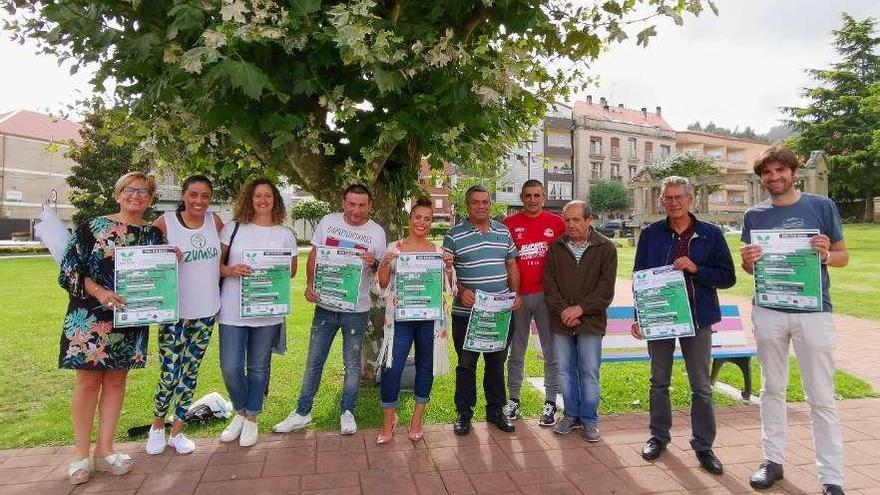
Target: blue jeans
(251, 346)
(405, 333)
(324, 326)
(579, 358)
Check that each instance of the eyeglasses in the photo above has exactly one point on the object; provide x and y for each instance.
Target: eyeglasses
(134, 191)
(674, 199)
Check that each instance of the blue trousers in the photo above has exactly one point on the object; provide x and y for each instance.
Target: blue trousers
(249, 347)
(325, 324)
(405, 334)
(579, 358)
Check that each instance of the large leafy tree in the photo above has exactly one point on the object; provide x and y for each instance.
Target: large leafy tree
(329, 92)
(608, 197)
(684, 165)
(106, 152)
(840, 118)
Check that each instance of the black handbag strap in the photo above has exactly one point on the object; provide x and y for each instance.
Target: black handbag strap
(225, 260)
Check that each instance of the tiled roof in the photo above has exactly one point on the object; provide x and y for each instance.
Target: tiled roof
(624, 115)
(35, 125)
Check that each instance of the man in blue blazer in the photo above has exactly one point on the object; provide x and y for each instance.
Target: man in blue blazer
(699, 250)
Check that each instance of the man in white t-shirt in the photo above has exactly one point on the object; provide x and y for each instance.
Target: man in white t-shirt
(353, 229)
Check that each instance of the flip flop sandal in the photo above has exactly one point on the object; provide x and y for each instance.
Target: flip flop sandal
(78, 472)
(114, 463)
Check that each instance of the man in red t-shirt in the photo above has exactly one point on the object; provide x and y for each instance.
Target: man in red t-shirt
(533, 230)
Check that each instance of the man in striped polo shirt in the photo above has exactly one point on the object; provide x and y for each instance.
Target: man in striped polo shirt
(485, 259)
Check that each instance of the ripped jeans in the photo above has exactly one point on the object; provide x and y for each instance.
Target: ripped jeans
(324, 326)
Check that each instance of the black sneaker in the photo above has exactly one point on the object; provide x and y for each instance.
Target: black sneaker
(548, 417)
(511, 409)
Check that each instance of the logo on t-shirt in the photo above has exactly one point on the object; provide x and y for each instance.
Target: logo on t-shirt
(548, 232)
(793, 223)
(534, 250)
(197, 240)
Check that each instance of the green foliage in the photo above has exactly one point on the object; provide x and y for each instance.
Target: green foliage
(311, 210)
(711, 128)
(326, 93)
(438, 230)
(481, 174)
(684, 165)
(843, 114)
(608, 196)
(107, 152)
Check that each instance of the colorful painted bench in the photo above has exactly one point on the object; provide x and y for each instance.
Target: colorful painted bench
(729, 343)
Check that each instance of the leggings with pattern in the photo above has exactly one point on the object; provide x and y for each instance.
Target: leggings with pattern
(182, 346)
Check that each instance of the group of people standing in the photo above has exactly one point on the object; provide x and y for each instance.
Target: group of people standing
(561, 270)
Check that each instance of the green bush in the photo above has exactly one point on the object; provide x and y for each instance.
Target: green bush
(439, 230)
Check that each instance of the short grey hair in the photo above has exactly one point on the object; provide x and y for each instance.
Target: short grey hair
(475, 189)
(585, 208)
(676, 180)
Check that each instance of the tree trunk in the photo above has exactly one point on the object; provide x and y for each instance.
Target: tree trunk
(869, 205)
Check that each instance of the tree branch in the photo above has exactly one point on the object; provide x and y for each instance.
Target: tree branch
(479, 15)
(396, 6)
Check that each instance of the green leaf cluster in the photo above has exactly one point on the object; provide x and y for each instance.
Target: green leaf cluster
(608, 197)
(843, 114)
(323, 93)
(107, 151)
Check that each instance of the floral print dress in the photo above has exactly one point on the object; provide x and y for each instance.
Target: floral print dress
(88, 339)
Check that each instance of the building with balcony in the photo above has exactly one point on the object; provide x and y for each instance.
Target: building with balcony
(33, 168)
(731, 155)
(616, 143)
(547, 157)
(437, 187)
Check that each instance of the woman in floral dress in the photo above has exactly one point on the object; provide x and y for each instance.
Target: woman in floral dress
(101, 354)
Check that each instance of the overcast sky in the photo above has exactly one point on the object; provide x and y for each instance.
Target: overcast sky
(735, 69)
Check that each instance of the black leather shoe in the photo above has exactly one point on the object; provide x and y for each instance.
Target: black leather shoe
(766, 475)
(501, 422)
(832, 490)
(710, 462)
(462, 425)
(652, 449)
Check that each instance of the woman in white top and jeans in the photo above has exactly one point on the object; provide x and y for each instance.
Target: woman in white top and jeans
(193, 230)
(246, 343)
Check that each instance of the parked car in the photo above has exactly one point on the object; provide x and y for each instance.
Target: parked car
(615, 228)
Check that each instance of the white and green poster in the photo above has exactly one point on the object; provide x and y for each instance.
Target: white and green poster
(146, 278)
(266, 291)
(338, 273)
(663, 309)
(489, 322)
(789, 274)
(419, 286)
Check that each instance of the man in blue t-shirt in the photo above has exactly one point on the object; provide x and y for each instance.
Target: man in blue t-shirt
(812, 333)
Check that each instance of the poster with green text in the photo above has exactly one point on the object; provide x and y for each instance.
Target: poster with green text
(789, 273)
(489, 322)
(266, 291)
(146, 278)
(338, 273)
(419, 286)
(663, 309)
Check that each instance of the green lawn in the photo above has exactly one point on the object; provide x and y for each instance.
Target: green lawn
(34, 409)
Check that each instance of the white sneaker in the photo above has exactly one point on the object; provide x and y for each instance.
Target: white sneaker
(293, 422)
(347, 425)
(249, 433)
(182, 444)
(233, 430)
(156, 441)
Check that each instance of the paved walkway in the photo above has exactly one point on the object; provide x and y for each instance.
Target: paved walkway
(531, 461)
